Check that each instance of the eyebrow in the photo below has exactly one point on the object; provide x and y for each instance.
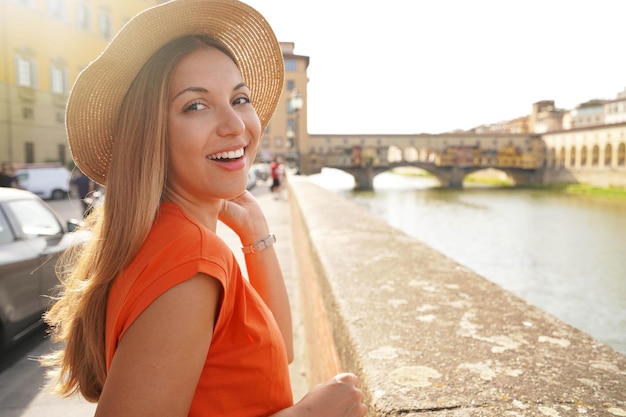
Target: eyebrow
(204, 90)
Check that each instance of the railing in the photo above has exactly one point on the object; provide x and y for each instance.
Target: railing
(428, 336)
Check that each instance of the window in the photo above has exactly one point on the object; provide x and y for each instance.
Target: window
(35, 219)
(28, 113)
(58, 80)
(61, 153)
(290, 85)
(29, 151)
(83, 17)
(28, 3)
(26, 72)
(291, 65)
(56, 9)
(6, 235)
(104, 25)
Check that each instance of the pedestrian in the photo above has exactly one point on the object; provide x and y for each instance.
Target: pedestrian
(7, 176)
(276, 171)
(85, 187)
(155, 315)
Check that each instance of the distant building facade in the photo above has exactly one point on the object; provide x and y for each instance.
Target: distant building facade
(286, 136)
(43, 47)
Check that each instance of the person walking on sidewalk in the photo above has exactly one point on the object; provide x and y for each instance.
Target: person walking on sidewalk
(7, 176)
(277, 171)
(155, 315)
(85, 188)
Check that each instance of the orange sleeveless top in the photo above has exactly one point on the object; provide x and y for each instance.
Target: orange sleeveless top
(246, 370)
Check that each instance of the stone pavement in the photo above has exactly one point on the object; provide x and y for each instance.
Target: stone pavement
(277, 212)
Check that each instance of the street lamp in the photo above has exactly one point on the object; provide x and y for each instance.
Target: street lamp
(295, 104)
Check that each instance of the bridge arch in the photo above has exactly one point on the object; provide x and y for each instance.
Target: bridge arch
(411, 154)
(447, 177)
(562, 157)
(595, 155)
(608, 155)
(394, 154)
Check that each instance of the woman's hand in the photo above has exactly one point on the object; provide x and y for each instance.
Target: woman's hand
(244, 216)
(338, 397)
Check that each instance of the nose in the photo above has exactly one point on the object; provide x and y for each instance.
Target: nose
(230, 122)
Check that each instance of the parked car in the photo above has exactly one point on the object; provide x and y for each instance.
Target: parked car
(262, 171)
(252, 179)
(31, 239)
(49, 183)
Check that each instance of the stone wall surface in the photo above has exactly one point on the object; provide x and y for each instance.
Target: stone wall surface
(609, 177)
(428, 336)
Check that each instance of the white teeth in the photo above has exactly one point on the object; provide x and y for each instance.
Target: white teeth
(228, 155)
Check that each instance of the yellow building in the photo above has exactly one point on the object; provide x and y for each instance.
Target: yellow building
(286, 136)
(44, 44)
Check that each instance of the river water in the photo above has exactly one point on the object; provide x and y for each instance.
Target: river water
(565, 254)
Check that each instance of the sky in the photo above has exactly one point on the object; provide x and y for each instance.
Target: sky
(432, 66)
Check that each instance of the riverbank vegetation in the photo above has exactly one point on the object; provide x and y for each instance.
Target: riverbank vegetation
(585, 189)
(494, 178)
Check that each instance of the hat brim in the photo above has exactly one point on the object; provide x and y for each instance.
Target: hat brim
(95, 100)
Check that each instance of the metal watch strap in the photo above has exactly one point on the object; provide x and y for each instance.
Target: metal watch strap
(259, 245)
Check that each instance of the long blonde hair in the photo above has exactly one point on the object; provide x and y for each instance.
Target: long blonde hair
(136, 185)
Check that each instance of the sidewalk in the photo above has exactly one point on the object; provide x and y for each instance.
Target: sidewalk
(277, 212)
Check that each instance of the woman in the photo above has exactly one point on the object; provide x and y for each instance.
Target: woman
(156, 316)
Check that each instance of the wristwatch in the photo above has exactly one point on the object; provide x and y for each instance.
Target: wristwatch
(260, 245)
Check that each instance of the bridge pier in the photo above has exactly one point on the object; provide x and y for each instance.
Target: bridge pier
(364, 178)
(451, 177)
(456, 177)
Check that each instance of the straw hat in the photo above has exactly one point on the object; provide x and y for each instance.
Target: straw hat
(97, 95)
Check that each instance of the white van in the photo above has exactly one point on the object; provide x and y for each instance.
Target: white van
(49, 183)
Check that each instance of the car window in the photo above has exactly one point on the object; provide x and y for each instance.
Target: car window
(35, 218)
(6, 235)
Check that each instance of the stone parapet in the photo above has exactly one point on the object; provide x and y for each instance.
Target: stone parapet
(428, 336)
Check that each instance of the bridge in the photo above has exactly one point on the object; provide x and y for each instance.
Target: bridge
(448, 157)
(593, 155)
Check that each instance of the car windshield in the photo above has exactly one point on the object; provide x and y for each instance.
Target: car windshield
(6, 235)
(35, 219)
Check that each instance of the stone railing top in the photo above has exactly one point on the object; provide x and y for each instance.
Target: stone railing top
(429, 336)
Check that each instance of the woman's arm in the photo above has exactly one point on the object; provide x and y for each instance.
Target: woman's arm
(158, 362)
(244, 216)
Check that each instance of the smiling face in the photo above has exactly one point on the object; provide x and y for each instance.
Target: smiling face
(212, 127)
